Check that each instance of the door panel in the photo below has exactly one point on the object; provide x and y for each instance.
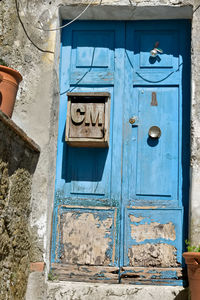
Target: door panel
(142, 38)
(156, 159)
(93, 49)
(150, 236)
(86, 171)
(119, 212)
(92, 56)
(152, 252)
(167, 39)
(88, 235)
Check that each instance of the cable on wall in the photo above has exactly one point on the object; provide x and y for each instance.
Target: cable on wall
(58, 28)
(72, 21)
(25, 31)
(196, 8)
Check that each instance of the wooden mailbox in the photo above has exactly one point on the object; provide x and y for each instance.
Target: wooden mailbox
(88, 119)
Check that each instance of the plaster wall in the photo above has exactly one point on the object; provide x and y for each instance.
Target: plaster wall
(37, 104)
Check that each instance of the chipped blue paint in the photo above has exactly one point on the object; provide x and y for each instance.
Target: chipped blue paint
(157, 277)
(169, 274)
(160, 282)
(100, 216)
(162, 216)
(164, 274)
(137, 176)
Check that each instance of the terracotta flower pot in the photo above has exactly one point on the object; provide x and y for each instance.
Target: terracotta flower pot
(9, 82)
(192, 260)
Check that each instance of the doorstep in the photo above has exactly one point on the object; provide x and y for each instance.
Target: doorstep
(66, 290)
(98, 291)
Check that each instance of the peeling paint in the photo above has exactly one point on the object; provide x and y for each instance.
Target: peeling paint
(115, 222)
(151, 275)
(85, 238)
(152, 231)
(154, 255)
(135, 219)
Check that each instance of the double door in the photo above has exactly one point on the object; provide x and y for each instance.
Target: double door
(120, 212)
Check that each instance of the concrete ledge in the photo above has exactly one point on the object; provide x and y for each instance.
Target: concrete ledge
(86, 291)
(19, 132)
(122, 12)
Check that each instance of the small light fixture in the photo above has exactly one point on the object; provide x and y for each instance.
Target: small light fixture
(156, 50)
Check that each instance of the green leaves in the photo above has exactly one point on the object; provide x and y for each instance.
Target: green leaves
(191, 248)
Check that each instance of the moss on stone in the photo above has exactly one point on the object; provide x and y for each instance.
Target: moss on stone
(15, 241)
(17, 164)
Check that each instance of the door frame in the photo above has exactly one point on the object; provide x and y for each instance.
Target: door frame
(187, 122)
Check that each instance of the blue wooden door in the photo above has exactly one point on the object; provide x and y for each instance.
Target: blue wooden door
(120, 212)
(88, 180)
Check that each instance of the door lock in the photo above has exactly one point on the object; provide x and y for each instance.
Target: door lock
(132, 120)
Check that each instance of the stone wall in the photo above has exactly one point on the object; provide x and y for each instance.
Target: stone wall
(18, 159)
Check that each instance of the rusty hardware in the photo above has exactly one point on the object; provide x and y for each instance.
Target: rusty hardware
(154, 99)
(132, 120)
(154, 132)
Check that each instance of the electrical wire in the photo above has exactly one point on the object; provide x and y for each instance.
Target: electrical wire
(25, 31)
(196, 9)
(72, 21)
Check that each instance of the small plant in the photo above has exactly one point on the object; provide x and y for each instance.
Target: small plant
(3, 63)
(191, 248)
(52, 276)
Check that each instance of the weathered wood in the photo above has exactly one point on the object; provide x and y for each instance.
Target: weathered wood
(88, 118)
(89, 123)
(86, 273)
(84, 143)
(128, 275)
(149, 275)
(87, 237)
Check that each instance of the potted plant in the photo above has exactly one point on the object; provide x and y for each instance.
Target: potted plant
(192, 259)
(9, 82)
